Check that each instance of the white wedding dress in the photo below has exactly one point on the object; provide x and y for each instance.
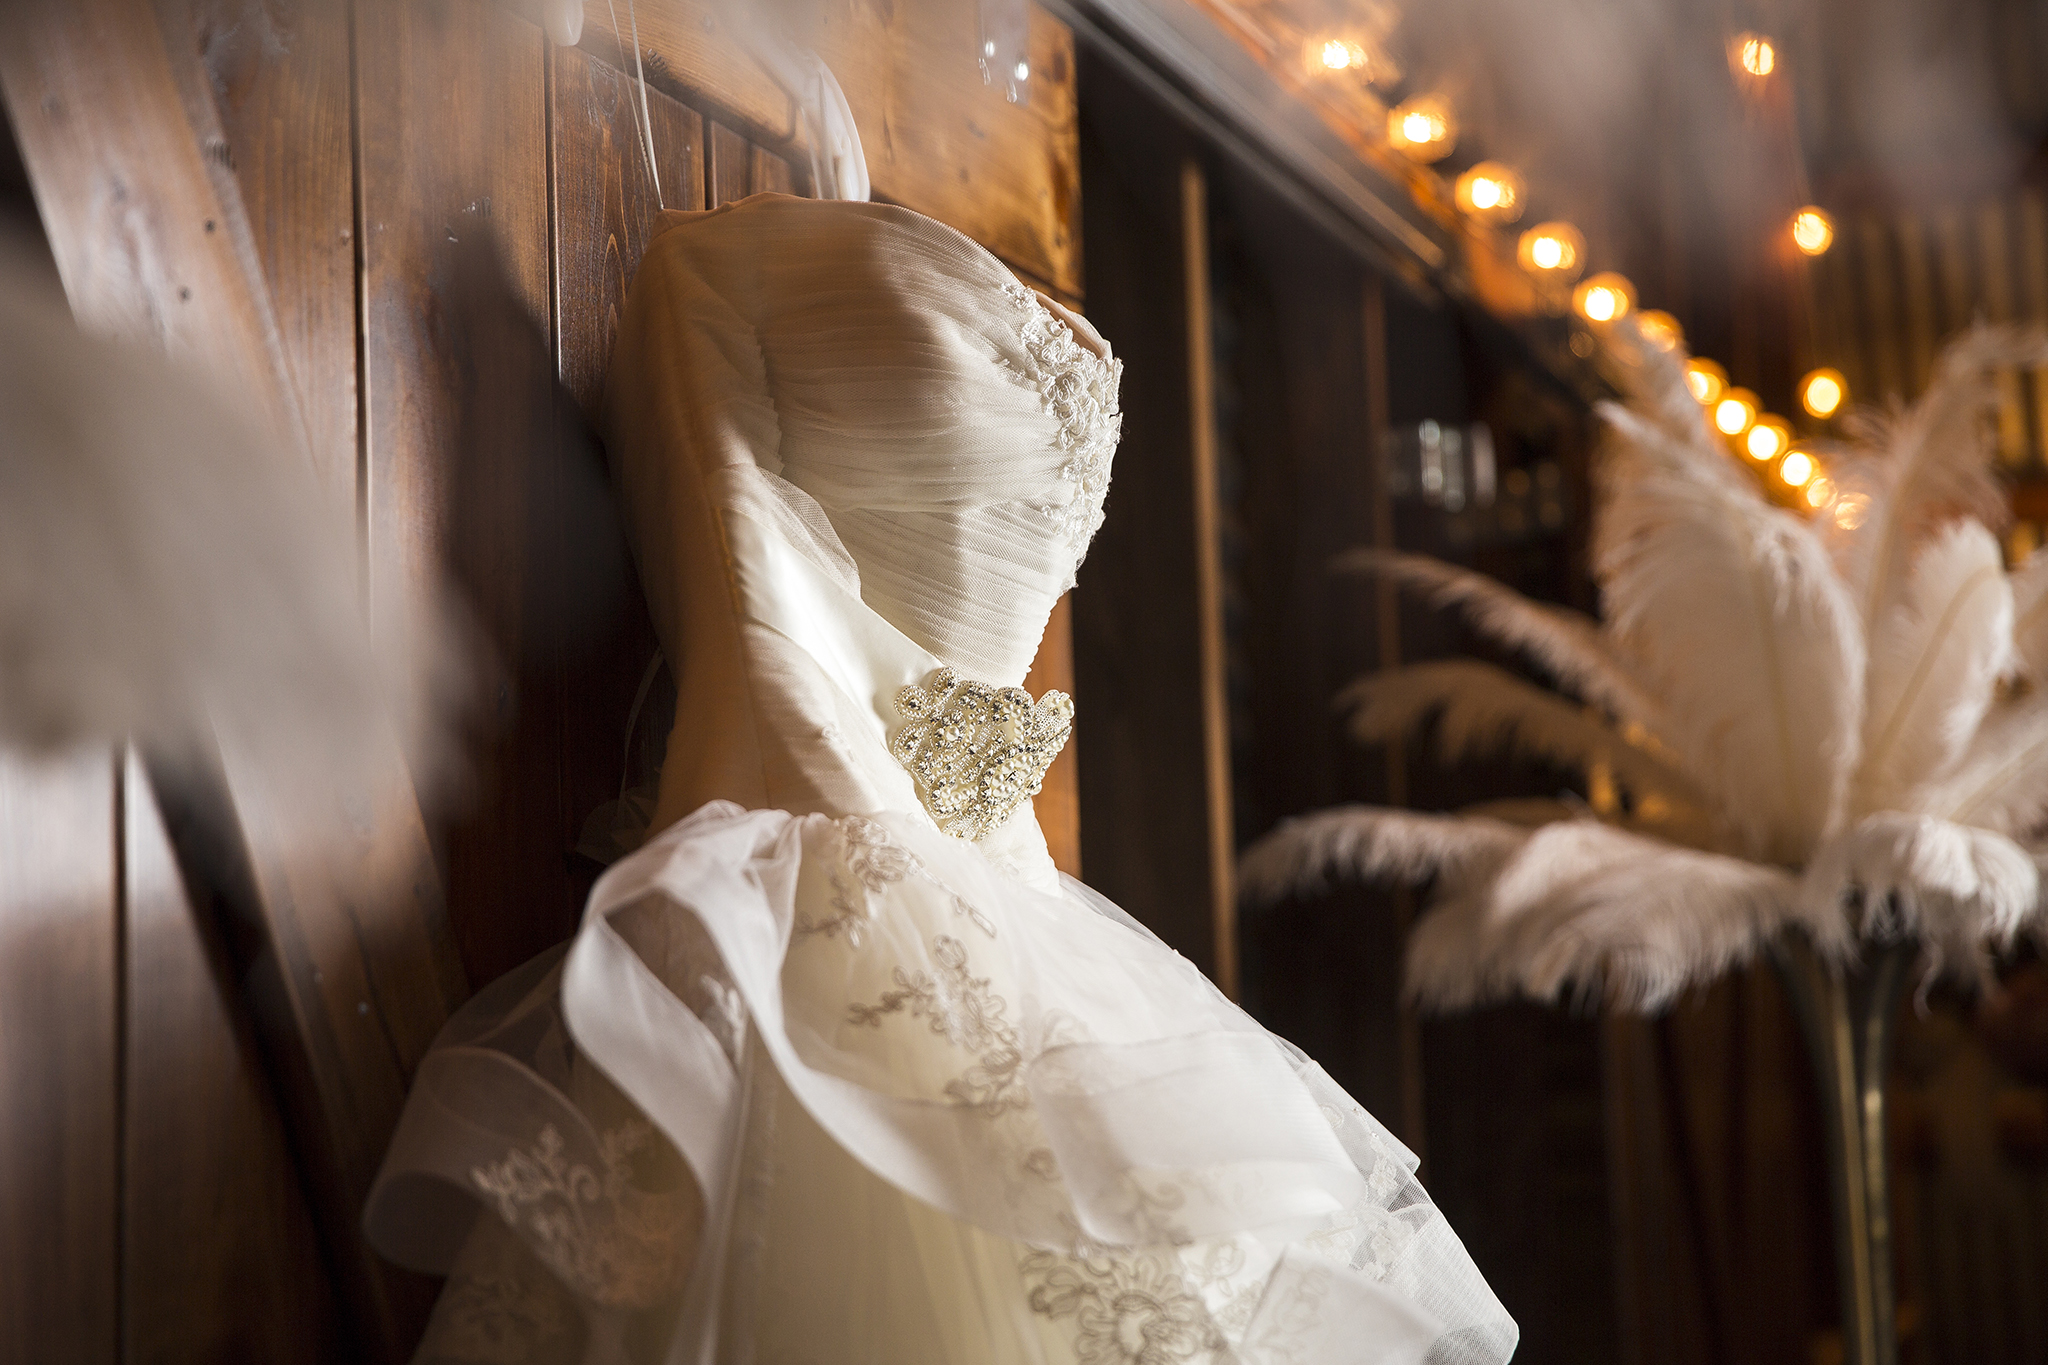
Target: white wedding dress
(819, 1081)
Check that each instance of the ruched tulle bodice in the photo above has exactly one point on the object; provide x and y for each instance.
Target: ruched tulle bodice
(819, 1080)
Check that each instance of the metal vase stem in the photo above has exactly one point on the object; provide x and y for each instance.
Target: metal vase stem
(1847, 1018)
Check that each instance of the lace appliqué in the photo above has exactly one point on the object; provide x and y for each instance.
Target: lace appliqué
(1126, 1309)
(873, 862)
(1079, 390)
(960, 1008)
(978, 752)
(609, 1241)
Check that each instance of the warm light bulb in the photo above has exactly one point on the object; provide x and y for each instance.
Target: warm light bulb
(1850, 510)
(1490, 191)
(1706, 380)
(1754, 53)
(1555, 250)
(1820, 491)
(1813, 232)
(1337, 55)
(1422, 128)
(1607, 297)
(1822, 392)
(1767, 439)
(1661, 330)
(1796, 469)
(1734, 413)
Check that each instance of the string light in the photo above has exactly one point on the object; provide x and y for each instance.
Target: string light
(1850, 509)
(1707, 381)
(1422, 129)
(1767, 439)
(1823, 392)
(1753, 54)
(1796, 469)
(1735, 411)
(1607, 297)
(1490, 191)
(1661, 330)
(1813, 232)
(1553, 251)
(1820, 491)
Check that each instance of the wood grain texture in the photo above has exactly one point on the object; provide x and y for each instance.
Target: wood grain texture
(1058, 803)
(604, 212)
(772, 174)
(937, 140)
(728, 166)
(59, 1061)
(204, 1149)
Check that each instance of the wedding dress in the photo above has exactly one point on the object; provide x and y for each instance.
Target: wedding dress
(839, 1068)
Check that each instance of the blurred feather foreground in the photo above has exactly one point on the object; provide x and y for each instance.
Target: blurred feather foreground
(1839, 728)
(170, 573)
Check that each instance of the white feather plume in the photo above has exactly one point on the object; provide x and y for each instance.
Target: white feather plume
(1957, 885)
(1568, 644)
(1733, 614)
(1584, 907)
(1483, 709)
(1935, 665)
(1933, 462)
(1364, 842)
(2001, 784)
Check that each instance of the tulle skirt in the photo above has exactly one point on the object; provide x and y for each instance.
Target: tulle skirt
(806, 1089)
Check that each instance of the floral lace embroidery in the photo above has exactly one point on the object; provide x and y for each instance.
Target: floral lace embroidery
(609, 1241)
(495, 1319)
(1126, 1309)
(873, 862)
(960, 1008)
(1079, 389)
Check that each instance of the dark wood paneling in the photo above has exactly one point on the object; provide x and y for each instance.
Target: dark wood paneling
(59, 1061)
(221, 1260)
(1058, 803)
(728, 166)
(452, 171)
(771, 174)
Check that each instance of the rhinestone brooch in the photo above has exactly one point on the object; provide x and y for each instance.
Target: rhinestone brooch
(978, 752)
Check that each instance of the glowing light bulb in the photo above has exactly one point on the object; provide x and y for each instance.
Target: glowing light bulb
(1607, 297)
(1823, 392)
(1755, 54)
(1820, 491)
(1796, 469)
(1337, 52)
(1490, 191)
(1850, 510)
(1337, 55)
(1661, 330)
(1735, 412)
(1707, 381)
(1813, 232)
(1767, 439)
(1553, 250)
(1422, 128)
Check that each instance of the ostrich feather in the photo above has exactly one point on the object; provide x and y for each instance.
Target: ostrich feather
(2030, 616)
(1481, 708)
(1733, 614)
(1933, 461)
(1935, 665)
(1583, 906)
(1653, 381)
(1568, 644)
(2001, 784)
(1954, 884)
(1302, 854)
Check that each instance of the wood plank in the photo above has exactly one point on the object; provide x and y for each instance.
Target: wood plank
(1058, 803)
(728, 166)
(59, 1060)
(452, 176)
(604, 214)
(937, 140)
(772, 174)
(204, 1147)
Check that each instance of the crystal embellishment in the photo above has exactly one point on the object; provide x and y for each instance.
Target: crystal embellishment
(978, 752)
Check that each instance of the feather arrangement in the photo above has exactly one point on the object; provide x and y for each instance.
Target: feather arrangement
(1839, 727)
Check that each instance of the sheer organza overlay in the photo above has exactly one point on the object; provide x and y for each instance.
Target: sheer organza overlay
(816, 1081)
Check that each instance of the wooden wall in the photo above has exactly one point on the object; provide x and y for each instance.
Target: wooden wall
(435, 218)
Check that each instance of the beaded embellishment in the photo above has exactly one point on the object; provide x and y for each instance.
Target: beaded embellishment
(978, 752)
